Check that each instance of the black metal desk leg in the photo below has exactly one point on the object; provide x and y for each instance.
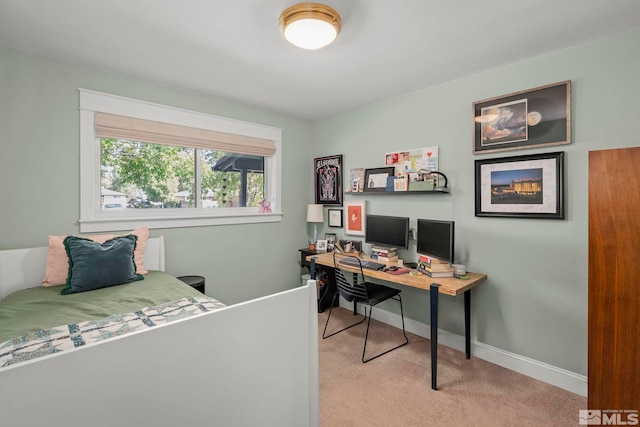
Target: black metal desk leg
(433, 298)
(467, 323)
(312, 268)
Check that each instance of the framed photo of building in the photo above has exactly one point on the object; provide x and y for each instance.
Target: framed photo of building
(521, 186)
(537, 117)
(328, 180)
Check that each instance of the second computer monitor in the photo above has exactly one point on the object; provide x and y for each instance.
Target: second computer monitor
(436, 239)
(388, 231)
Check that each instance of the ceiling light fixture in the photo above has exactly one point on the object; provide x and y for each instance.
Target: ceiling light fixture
(310, 25)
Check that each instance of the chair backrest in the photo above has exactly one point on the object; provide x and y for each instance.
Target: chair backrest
(350, 284)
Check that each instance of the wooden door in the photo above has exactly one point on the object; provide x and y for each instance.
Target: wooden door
(614, 279)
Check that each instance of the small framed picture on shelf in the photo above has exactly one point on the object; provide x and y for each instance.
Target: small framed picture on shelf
(331, 241)
(356, 180)
(321, 246)
(400, 184)
(376, 179)
(335, 218)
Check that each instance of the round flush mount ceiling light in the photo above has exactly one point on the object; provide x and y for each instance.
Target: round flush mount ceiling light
(310, 25)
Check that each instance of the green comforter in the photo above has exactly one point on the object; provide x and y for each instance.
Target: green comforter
(38, 308)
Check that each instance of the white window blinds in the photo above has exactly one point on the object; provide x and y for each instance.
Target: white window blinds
(133, 129)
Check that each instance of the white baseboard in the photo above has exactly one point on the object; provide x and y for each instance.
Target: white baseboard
(550, 374)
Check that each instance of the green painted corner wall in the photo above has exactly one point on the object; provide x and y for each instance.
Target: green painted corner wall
(534, 303)
(39, 170)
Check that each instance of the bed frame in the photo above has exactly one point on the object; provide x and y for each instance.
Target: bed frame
(258, 367)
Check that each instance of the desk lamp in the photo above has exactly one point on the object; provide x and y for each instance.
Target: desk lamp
(315, 214)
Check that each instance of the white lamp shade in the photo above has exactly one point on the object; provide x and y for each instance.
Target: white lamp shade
(315, 213)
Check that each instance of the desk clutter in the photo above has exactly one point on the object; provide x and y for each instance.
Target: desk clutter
(384, 254)
(433, 267)
(398, 270)
(386, 260)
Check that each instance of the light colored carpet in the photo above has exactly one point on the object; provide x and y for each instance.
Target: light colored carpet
(395, 389)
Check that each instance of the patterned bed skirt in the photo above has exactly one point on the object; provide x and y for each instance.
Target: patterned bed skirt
(60, 338)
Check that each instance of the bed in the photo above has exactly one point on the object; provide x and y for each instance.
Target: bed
(252, 363)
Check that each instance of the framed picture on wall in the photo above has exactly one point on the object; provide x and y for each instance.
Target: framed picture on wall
(328, 180)
(521, 186)
(537, 117)
(335, 218)
(354, 217)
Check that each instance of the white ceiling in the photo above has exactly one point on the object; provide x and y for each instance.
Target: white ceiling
(233, 48)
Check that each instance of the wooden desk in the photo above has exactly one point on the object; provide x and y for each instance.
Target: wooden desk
(441, 285)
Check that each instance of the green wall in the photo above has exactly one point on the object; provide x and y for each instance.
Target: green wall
(39, 176)
(535, 301)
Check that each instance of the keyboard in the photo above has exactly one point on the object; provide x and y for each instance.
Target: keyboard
(369, 265)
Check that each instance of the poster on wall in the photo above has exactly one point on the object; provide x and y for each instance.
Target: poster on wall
(328, 180)
(407, 163)
(355, 214)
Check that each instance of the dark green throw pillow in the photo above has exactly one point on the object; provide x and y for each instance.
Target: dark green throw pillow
(94, 265)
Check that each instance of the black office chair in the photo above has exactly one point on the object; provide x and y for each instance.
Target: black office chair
(359, 290)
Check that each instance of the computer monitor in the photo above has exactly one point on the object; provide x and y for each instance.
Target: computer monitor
(388, 231)
(436, 238)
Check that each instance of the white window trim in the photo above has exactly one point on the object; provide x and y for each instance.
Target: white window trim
(94, 219)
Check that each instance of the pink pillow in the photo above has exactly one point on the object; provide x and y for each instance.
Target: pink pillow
(58, 263)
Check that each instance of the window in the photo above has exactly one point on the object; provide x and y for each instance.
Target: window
(144, 163)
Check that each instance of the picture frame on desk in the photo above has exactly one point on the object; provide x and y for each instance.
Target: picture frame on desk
(321, 246)
(530, 186)
(376, 179)
(331, 239)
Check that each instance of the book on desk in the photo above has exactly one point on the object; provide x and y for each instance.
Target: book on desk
(426, 265)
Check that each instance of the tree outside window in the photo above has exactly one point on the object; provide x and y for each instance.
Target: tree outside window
(150, 175)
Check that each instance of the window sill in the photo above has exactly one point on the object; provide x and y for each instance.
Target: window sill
(126, 223)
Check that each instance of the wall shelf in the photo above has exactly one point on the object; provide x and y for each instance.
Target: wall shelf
(394, 193)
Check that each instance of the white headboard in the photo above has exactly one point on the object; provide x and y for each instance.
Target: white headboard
(24, 268)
